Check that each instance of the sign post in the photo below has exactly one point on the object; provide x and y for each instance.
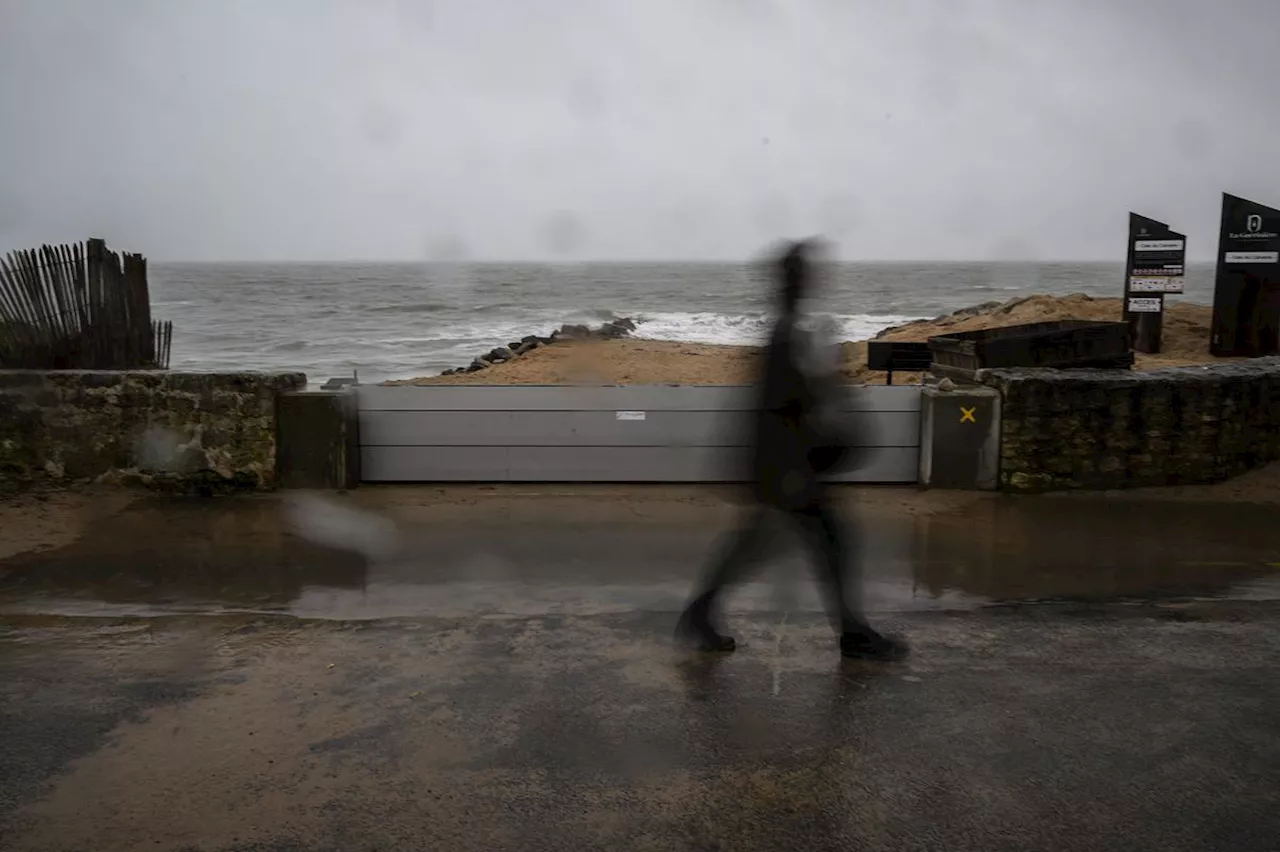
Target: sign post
(1156, 263)
(1246, 292)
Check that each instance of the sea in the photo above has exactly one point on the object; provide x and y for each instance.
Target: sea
(400, 320)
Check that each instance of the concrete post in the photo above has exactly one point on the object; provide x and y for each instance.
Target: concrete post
(960, 437)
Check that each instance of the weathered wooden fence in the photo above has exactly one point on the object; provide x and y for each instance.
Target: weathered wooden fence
(79, 307)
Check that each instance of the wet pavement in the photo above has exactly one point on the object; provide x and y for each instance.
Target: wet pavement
(365, 556)
(492, 671)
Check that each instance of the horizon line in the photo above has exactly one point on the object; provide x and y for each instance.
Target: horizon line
(637, 261)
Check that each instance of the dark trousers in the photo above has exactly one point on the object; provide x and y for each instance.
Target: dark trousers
(819, 528)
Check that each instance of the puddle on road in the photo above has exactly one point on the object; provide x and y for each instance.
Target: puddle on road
(1076, 548)
(178, 555)
(199, 556)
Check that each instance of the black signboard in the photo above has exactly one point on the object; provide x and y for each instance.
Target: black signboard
(1246, 293)
(1156, 262)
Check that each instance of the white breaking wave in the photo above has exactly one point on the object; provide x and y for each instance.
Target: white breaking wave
(750, 328)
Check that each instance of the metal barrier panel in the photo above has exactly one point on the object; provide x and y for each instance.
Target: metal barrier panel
(641, 433)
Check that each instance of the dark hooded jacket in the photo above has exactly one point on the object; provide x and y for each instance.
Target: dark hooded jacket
(790, 446)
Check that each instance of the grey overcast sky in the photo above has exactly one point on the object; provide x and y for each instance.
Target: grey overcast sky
(639, 129)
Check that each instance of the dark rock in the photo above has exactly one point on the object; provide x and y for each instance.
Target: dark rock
(611, 331)
(625, 323)
(527, 347)
(571, 332)
(515, 346)
(1013, 303)
(497, 356)
(477, 364)
(531, 338)
(974, 310)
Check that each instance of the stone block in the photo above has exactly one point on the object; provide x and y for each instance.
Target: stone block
(318, 440)
(960, 437)
(114, 426)
(1115, 429)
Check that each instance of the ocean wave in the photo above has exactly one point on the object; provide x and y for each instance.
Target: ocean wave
(422, 308)
(702, 327)
(749, 328)
(398, 320)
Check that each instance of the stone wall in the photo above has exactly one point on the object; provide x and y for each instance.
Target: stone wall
(199, 432)
(1104, 429)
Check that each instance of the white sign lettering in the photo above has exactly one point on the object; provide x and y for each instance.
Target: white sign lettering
(1158, 245)
(1155, 284)
(1144, 305)
(1252, 257)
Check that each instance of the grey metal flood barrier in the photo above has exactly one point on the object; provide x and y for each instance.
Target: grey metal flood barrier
(637, 433)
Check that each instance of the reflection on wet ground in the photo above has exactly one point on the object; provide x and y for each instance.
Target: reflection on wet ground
(242, 556)
(183, 553)
(1074, 548)
(564, 719)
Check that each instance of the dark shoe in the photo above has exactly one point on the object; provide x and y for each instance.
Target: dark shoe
(696, 629)
(867, 644)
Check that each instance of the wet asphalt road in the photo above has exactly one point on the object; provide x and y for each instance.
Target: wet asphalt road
(502, 679)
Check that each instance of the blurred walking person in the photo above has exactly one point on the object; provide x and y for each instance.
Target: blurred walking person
(794, 442)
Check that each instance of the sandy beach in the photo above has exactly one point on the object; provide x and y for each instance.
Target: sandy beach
(632, 361)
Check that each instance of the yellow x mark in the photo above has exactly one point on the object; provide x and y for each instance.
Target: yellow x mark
(966, 414)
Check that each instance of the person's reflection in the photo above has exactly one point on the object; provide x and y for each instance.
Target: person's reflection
(766, 771)
(710, 695)
(843, 720)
